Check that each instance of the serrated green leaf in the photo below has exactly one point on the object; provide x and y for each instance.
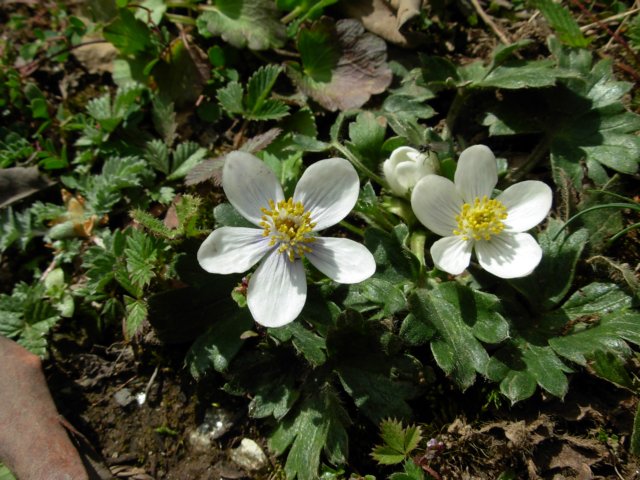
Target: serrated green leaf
(318, 51)
(259, 86)
(128, 34)
(308, 343)
(135, 315)
(386, 455)
(518, 74)
(610, 333)
(552, 279)
(459, 315)
(164, 119)
(271, 109)
(244, 23)
(141, 253)
(375, 292)
(217, 347)
(186, 156)
(317, 424)
(562, 22)
(412, 471)
(394, 262)
(520, 365)
(227, 216)
(157, 154)
(367, 134)
(609, 366)
(230, 97)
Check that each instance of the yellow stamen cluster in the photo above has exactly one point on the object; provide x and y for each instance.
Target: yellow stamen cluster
(289, 226)
(481, 220)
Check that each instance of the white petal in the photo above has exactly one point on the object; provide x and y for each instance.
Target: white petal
(341, 259)
(329, 190)
(277, 290)
(510, 255)
(477, 173)
(388, 168)
(436, 203)
(528, 203)
(451, 254)
(249, 184)
(232, 250)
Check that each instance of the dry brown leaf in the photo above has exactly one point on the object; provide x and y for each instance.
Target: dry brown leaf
(378, 17)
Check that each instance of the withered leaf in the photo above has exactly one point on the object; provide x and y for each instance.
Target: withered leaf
(361, 70)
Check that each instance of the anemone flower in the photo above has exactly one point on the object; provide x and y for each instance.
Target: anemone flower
(285, 233)
(464, 213)
(404, 167)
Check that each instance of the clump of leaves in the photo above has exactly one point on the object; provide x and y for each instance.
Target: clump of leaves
(399, 442)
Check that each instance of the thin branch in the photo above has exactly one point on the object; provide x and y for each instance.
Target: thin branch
(489, 21)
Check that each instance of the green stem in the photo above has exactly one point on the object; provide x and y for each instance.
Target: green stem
(292, 15)
(454, 110)
(623, 232)
(183, 19)
(538, 153)
(358, 164)
(352, 228)
(591, 209)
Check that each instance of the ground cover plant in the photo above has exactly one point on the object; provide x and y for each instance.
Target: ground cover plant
(380, 239)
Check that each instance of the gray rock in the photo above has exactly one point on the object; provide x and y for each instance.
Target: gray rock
(249, 456)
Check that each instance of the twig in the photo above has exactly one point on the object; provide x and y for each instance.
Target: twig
(489, 21)
(610, 19)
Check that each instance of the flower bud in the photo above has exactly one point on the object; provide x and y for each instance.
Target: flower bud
(405, 167)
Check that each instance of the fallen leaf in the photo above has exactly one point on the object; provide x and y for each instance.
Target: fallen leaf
(17, 183)
(361, 70)
(378, 17)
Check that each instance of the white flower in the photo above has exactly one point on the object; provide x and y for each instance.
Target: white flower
(405, 167)
(325, 194)
(465, 215)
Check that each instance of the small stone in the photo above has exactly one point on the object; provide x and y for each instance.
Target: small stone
(249, 456)
(216, 422)
(123, 397)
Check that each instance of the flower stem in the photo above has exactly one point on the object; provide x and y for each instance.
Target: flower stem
(538, 153)
(416, 243)
(454, 110)
(358, 164)
(183, 19)
(352, 228)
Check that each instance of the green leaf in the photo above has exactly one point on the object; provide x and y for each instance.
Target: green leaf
(230, 97)
(394, 262)
(518, 74)
(635, 436)
(136, 314)
(367, 134)
(520, 365)
(164, 119)
(186, 156)
(141, 254)
(412, 471)
(5, 473)
(260, 85)
(375, 292)
(562, 22)
(460, 316)
(609, 366)
(217, 347)
(318, 50)
(244, 23)
(317, 424)
(610, 333)
(157, 154)
(227, 216)
(128, 34)
(365, 370)
(398, 444)
(552, 279)
(308, 343)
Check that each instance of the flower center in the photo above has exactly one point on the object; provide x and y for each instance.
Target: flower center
(481, 220)
(289, 225)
